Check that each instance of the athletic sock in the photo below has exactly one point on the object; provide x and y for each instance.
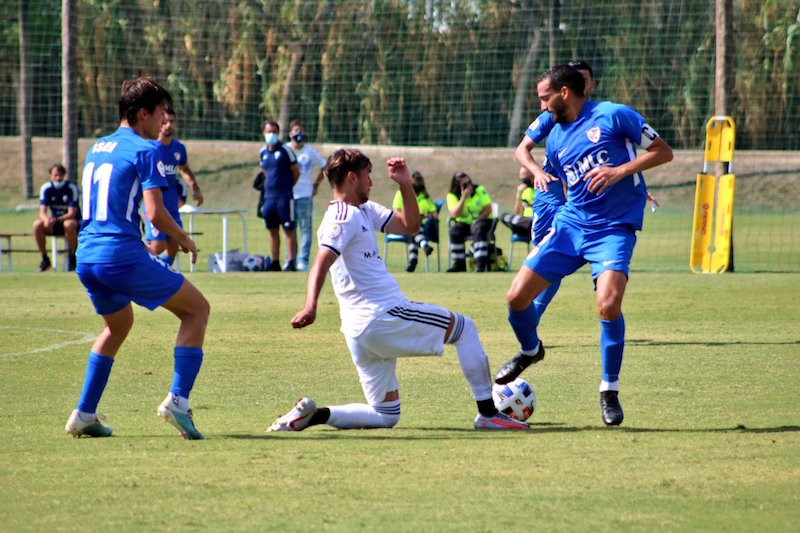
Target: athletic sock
(98, 368)
(471, 356)
(487, 407)
(524, 325)
(187, 365)
(612, 343)
(320, 417)
(363, 416)
(543, 299)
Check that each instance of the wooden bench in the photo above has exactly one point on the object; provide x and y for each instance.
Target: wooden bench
(7, 249)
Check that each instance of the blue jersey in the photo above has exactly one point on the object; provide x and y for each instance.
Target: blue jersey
(603, 134)
(59, 200)
(172, 155)
(117, 169)
(277, 164)
(537, 132)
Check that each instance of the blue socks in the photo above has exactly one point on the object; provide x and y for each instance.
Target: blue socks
(543, 300)
(187, 365)
(612, 342)
(98, 368)
(524, 325)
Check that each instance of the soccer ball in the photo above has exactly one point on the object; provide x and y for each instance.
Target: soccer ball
(254, 263)
(515, 399)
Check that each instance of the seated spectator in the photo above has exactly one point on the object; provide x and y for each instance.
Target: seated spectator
(61, 197)
(519, 221)
(429, 227)
(470, 207)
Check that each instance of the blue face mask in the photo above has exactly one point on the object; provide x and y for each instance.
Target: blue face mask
(271, 138)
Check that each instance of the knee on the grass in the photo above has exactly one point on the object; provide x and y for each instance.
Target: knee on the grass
(388, 414)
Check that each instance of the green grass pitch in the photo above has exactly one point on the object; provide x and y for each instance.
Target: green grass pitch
(711, 438)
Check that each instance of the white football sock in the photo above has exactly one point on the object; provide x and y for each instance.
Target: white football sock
(473, 360)
(606, 385)
(363, 416)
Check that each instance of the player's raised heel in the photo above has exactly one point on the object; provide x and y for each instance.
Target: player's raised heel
(499, 421)
(611, 408)
(297, 419)
(180, 418)
(511, 369)
(86, 428)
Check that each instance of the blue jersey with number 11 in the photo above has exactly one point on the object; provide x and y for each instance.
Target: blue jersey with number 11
(117, 169)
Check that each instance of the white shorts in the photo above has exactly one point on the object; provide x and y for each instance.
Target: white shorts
(410, 330)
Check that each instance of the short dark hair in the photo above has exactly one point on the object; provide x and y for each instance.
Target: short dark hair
(565, 76)
(270, 122)
(342, 161)
(62, 171)
(141, 93)
(580, 64)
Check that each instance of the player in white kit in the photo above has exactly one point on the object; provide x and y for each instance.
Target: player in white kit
(379, 323)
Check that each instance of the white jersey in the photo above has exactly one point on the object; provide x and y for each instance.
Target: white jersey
(363, 286)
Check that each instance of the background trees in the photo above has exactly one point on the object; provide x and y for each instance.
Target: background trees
(409, 72)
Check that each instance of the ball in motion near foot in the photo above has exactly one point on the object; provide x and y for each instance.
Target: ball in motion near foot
(515, 399)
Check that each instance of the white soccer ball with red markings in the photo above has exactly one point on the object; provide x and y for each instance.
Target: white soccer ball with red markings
(515, 399)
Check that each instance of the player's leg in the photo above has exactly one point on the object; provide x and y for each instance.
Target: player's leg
(413, 251)
(192, 308)
(609, 252)
(151, 284)
(420, 329)
(555, 257)
(379, 383)
(117, 316)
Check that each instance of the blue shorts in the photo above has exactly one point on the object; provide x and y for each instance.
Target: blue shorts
(148, 281)
(151, 233)
(566, 247)
(278, 211)
(543, 214)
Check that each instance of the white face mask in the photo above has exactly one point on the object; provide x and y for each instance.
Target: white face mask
(58, 184)
(271, 138)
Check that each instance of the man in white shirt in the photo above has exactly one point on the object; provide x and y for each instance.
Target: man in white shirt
(305, 189)
(379, 323)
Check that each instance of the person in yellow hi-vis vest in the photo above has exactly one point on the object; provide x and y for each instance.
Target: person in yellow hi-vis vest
(429, 225)
(470, 206)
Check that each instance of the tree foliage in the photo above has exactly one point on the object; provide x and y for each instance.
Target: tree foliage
(410, 72)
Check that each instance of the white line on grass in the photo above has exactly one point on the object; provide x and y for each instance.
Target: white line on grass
(87, 338)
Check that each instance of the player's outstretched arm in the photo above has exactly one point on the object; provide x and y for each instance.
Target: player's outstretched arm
(316, 279)
(407, 220)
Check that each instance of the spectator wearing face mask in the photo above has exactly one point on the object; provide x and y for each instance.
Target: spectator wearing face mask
(279, 165)
(304, 190)
(60, 196)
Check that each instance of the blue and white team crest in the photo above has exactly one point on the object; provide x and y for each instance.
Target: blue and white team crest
(594, 134)
(177, 156)
(278, 155)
